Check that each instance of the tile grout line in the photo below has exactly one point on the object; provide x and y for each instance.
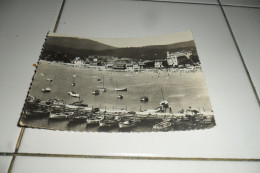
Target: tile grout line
(176, 2)
(199, 3)
(240, 54)
(20, 137)
(129, 157)
(16, 149)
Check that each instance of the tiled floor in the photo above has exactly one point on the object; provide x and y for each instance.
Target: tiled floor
(22, 31)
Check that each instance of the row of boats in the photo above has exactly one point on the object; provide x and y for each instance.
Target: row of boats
(79, 112)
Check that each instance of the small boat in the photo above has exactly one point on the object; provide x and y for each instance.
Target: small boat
(42, 74)
(144, 99)
(120, 89)
(78, 118)
(120, 96)
(162, 126)
(94, 120)
(79, 103)
(96, 92)
(127, 124)
(36, 113)
(73, 82)
(46, 90)
(108, 123)
(73, 94)
(103, 88)
(61, 115)
(50, 79)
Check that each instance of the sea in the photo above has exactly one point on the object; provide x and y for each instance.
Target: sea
(181, 89)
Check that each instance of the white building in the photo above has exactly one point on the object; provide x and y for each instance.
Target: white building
(172, 58)
(78, 62)
(158, 64)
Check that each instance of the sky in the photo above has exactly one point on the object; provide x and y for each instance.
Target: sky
(140, 41)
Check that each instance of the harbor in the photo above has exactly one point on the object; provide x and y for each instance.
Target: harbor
(94, 100)
(64, 97)
(55, 112)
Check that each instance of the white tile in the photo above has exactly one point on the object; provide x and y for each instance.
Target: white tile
(4, 163)
(236, 110)
(247, 3)
(68, 165)
(23, 27)
(245, 24)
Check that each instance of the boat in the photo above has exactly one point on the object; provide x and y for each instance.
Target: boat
(120, 89)
(127, 124)
(73, 94)
(73, 82)
(42, 74)
(36, 113)
(96, 92)
(94, 120)
(162, 126)
(79, 103)
(108, 123)
(46, 90)
(103, 88)
(50, 79)
(78, 118)
(61, 115)
(120, 96)
(144, 99)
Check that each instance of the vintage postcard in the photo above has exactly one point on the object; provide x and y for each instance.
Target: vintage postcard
(143, 84)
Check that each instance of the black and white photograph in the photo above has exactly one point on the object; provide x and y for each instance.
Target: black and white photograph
(144, 84)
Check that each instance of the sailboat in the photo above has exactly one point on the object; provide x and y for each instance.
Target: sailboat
(120, 89)
(73, 83)
(73, 94)
(46, 90)
(164, 104)
(103, 88)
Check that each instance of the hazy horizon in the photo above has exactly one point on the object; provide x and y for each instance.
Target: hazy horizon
(165, 39)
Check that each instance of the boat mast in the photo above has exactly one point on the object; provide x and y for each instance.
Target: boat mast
(162, 93)
(103, 82)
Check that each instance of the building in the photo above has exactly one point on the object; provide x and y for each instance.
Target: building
(141, 65)
(136, 67)
(119, 65)
(172, 58)
(109, 65)
(158, 64)
(78, 62)
(130, 66)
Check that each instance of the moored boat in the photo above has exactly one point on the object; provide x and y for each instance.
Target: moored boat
(108, 123)
(36, 113)
(127, 124)
(60, 115)
(162, 126)
(94, 120)
(120, 96)
(96, 92)
(46, 90)
(144, 99)
(73, 94)
(120, 89)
